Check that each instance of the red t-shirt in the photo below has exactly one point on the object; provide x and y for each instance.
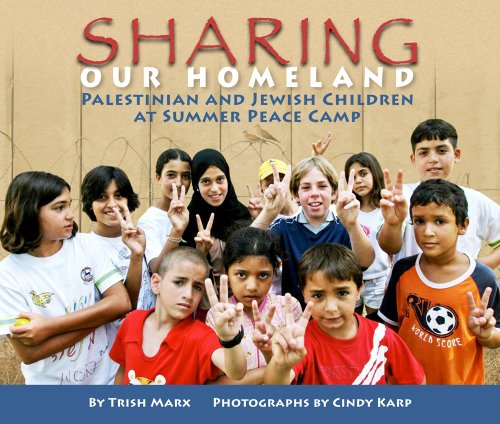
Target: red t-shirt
(373, 355)
(184, 357)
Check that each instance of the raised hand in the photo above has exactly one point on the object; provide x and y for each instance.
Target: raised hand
(276, 194)
(228, 317)
(347, 204)
(393, 204)
(178, 212)
(320, 146)
(255, 204)
(481, 320)
(203, 240)
(288, 341)
(264, 329)
(133, 237)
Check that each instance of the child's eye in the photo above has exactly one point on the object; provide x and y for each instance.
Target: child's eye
(343, 293)
(363, 174)
(422, 153)
(440, 221)
(198, 287)
(317, 296)
(118, 196)
(417, 221)
(264, 275)
(178, 282)
(220, 179)
(443, 151)
(241, 275)
(171, 175)
(186, 176)
(204, 182)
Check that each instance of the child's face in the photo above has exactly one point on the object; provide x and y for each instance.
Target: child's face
(213, 186)
(363, 180)
(436, 230)
(180, 290)
(103, 206)
(315, 196)
(434, 159)
(334, 303)
(56, 218)
(250, 279)
(174, 171)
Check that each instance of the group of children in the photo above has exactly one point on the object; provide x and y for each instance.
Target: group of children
(272, 292)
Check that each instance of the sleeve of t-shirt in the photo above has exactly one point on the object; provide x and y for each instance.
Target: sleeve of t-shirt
(488, 218)
(402, 365)
(12, 299)
(388, 310)
(106, 274)
(209, 343)
(117, 352)
(484, 277)
(299, 370)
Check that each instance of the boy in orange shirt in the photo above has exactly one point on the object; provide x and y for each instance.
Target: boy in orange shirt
(428, 293)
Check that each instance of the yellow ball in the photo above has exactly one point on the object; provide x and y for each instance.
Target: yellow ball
(21, 321)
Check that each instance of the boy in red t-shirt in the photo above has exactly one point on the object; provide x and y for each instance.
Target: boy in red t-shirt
(338, 346)
(166, 345)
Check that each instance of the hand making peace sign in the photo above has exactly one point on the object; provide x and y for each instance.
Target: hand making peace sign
(288, 341)
(481, 319)
(203, 240)
(275, 195)
(320, 146)
(393, 204)
(178, 212)
(133, 237)
(228, 317)
(347, 203)
(264, 329)
(255, 204)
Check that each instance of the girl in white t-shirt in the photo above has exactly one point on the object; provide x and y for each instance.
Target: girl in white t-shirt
(108, 198)
(368, 182)
(51, 278)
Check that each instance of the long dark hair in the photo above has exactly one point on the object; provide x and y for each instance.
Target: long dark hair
(369, 161)
(21, 229)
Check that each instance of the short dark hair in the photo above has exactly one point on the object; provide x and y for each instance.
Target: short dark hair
(97, 180)
(183, 253)
(441, 192)
(336, 261)
(171, 154)
(28, 192)
(368, 161)
(434, 129)
(250, 241)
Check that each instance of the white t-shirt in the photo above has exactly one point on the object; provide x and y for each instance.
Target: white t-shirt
(484, 224)
(380, 266)
(120, 256)
(56, 285)
(156, 225)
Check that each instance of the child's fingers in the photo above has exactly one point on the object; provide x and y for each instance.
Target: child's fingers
(250, 191)
(353, 204)
(399, 181)
(306, 315)
(212, 296)
(183, 194)
(175, 195)
(119, 216)
(255, 311)
(342, 183)
(470, 302)
(199, 223)
(350, 183)
(387, 180)
(276, 174)
(288, 310)
(223, 289)
(210, 222)
(270, 314)
(485, 299)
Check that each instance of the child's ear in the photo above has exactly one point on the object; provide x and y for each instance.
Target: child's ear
(462, 229)
(412, 158)
(457, 155)
(155, 283)
(334, 196)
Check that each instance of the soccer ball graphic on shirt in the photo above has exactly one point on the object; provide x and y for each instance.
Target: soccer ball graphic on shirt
(441, 320)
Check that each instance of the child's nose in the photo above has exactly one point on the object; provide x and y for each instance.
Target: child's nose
(251, 284)
(331, 305)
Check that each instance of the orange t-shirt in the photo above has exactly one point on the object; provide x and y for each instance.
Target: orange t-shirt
(432, 319)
